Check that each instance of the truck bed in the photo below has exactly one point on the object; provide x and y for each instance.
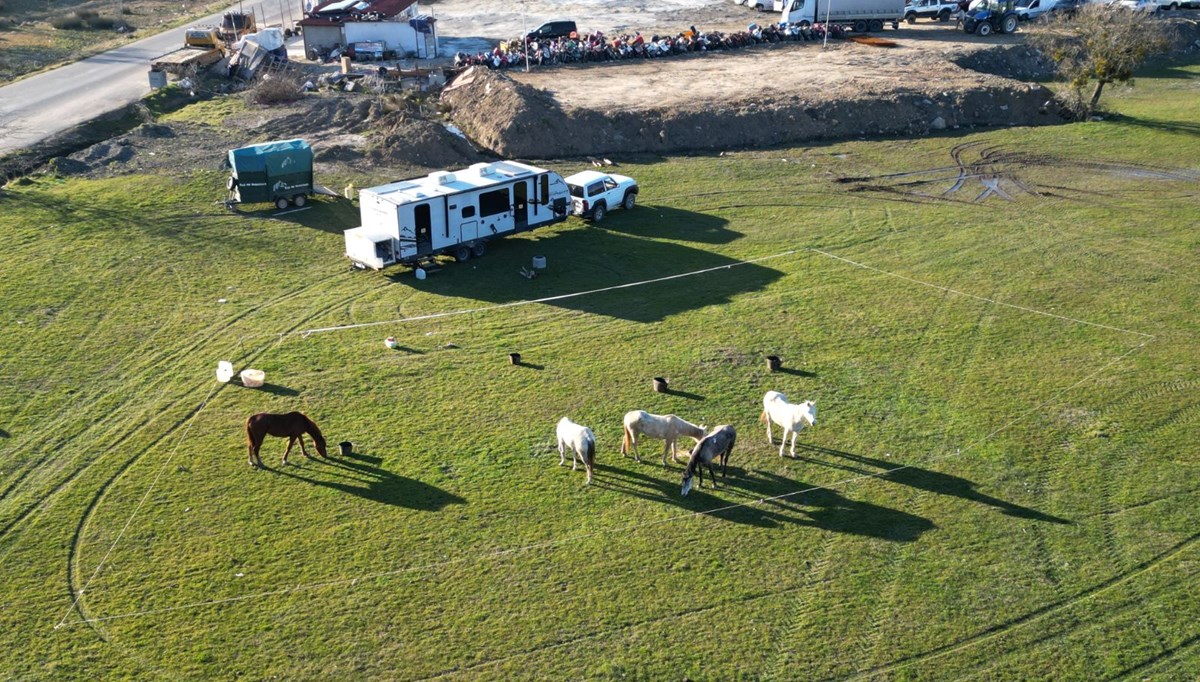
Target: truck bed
(187, 56)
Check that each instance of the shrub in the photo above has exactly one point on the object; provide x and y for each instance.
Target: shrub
(86, 14)
(69, 22)
(102, 23)
(274, 91)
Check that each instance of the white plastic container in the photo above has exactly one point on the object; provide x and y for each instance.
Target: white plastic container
(391, 342)
(253, 378)
(420, 273)
(224, 371)
(539, 262)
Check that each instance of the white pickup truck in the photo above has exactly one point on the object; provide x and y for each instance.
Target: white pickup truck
(594, 194)
(930, 9)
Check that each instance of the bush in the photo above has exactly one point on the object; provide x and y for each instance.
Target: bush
(86, 14)
(274, 91)
(71, 22)
(102, 23)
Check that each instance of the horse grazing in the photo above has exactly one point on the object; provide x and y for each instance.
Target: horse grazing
(666, 427)
(292, 426)
(791, 417)
(582, 442)
(716, 445)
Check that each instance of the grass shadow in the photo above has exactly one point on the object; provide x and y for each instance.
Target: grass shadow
(683, 394)
(665, 222)
(926, 479)
(359, 477)
(1182, 127)
(757, 502)
(592, 260)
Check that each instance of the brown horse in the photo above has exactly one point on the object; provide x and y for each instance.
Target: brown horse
(292, 426)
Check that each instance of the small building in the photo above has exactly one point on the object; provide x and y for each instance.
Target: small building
(396, 23)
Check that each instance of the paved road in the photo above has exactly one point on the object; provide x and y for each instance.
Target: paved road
(39, 106)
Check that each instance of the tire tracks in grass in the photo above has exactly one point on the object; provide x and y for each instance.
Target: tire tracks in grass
(147, 363)
(75, 592)
(1001, 629)
(802, 604)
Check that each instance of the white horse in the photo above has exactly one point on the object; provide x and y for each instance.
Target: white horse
(582, 442)
(791, 417)
(667, 427)
(715, 446)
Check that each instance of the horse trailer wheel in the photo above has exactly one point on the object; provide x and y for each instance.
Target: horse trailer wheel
(1009, 25)
(599, 212)
(983, 29)
(462, 254)
(876, 26)
(860, 26)
(281, 203)
(478, 249)
(299, 200)
(630, 200)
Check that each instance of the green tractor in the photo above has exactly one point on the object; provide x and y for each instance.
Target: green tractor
(985, 16)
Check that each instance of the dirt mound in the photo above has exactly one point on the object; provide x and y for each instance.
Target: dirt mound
(389, 131)
(1019, 62)
(516, 119)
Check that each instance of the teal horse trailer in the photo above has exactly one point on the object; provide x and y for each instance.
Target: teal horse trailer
(277, 172)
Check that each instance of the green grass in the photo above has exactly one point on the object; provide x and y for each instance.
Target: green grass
(1044, 525)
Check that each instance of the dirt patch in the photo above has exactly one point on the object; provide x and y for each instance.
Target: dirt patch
(706, 102)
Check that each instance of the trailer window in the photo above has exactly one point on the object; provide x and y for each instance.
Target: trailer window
(544, 193)
(468, 211)
(496, 201)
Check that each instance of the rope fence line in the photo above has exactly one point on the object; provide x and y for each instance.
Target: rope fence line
(549, 544)
(980, 298)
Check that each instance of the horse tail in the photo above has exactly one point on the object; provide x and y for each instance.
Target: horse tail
(590, 452)
(625, 440)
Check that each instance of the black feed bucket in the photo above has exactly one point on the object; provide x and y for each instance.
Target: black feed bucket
(514, 358)
(346, 448)
(774, 362)
(660, 385)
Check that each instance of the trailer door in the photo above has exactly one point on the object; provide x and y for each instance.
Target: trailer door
(424, 228)
(521, 204)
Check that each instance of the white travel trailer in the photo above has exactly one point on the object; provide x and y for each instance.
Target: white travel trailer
(454, 213)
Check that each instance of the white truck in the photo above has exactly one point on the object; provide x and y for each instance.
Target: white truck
(454, 213)
(594, 194)
(861, 16)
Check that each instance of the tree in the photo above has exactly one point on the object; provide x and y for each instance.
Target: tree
(1101, 43)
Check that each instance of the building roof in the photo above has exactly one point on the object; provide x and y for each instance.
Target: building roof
(358, 10)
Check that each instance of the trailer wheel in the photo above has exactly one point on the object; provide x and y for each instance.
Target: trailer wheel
(479, 248)
(281, 203)
(860, 26)
(299, 200)
(876, 26)
(462, 254)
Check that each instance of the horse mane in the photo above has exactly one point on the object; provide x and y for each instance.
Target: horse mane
(313, 430)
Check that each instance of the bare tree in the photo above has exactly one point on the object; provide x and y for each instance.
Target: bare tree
(1100, 43)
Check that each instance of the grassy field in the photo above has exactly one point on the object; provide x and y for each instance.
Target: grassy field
(999, 485)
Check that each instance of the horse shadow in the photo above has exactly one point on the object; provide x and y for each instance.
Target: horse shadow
(374, 483)
(768, 501)
(586, 255)
(925, 479)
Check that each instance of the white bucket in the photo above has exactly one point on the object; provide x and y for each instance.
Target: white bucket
(253, 378)
(391, 342)
(420, 273)
(224, 371)
(539, 262)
